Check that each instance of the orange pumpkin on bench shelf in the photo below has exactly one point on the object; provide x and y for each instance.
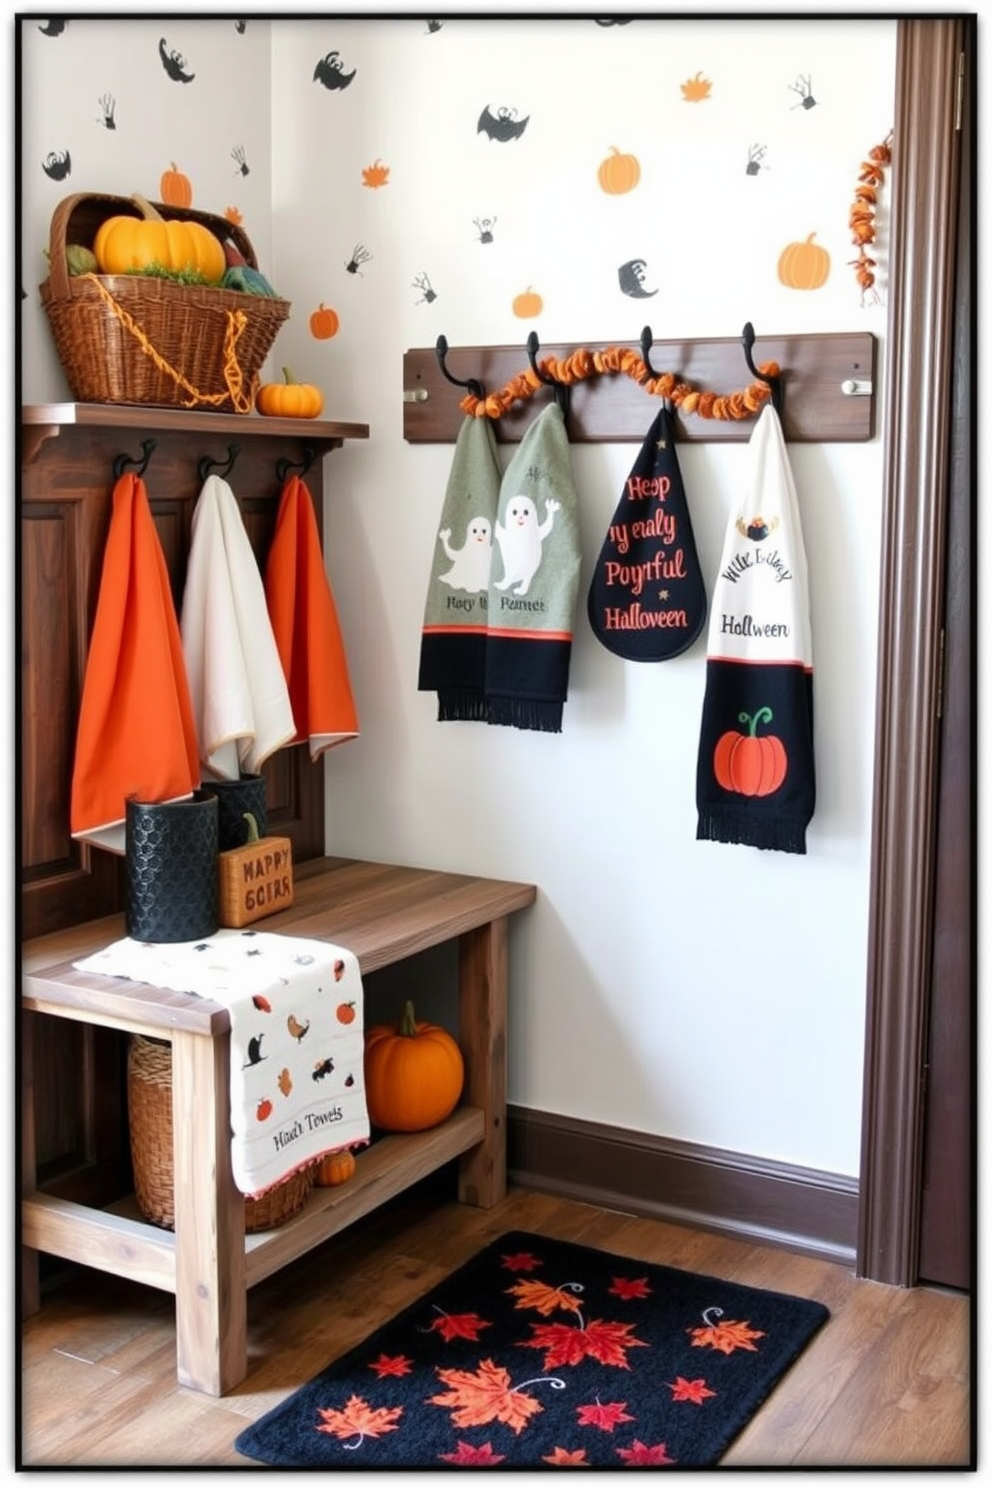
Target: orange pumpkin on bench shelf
(414, 1074)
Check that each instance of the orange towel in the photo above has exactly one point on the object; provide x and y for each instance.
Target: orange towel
(305, 625)
(136, 734)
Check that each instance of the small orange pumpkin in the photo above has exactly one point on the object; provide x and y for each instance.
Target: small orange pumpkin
(528, 304)
(747, 765)
(335, 1168)
(414, 1074)
(289, 399)
(804, 265)
(619, 173)
(324, 323)
(175, 189)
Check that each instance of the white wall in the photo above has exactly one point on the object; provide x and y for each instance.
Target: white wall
(702, 992)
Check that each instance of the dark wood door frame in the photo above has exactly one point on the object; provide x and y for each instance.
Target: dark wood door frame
(930, 56)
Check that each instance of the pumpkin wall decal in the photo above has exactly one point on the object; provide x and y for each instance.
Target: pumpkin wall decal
(528, 304)
(324, 323)
(175, 188)
(804, 265)
(619, 173)
(746, 764)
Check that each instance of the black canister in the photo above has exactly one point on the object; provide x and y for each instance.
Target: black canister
(171, 868)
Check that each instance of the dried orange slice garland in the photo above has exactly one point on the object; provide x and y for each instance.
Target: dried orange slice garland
(581, 364)
(862, 219)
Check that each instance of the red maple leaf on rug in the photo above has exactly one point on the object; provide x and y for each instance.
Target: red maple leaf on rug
(358, 1419)
(641, 1456)
(483, 1396)
(560, 1458)
(724, 1336)
(521, 1261)
(458, 1325)
(607, 1342)
(604, 1416)
(394, 1367)
(543, 1298)
(469, 1456)
(626, 1288)
(694, 1390)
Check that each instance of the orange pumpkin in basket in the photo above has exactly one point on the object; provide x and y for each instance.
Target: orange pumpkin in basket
(129, 244)
(334, 1169)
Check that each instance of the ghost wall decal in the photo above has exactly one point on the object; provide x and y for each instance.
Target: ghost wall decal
(330, 72)
(174, 63)
(631, 277)
(57, 165)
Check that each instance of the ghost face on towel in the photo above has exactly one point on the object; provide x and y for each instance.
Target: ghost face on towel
(469, 565)
(520, 541)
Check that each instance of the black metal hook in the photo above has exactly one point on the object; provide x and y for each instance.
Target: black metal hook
(774, 382)
(562, 389)
(140, 462)
(647, 338)
(283, 467)
(474, 386)
(217, 467)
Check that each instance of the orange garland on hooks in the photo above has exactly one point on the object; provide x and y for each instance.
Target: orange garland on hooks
(862, 219)
(581, 364)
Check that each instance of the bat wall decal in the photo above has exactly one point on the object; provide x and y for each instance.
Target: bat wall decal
(52, 28)
(503, 125)
(174, 63)
(330, 72)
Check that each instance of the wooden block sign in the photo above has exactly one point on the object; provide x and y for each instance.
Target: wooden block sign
(255, 880)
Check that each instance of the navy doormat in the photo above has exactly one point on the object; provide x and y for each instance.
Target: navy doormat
(542, 1353)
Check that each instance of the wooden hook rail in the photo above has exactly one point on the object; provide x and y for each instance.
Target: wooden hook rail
(827, 379)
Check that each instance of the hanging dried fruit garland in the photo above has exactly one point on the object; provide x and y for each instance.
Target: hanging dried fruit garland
(862, 219)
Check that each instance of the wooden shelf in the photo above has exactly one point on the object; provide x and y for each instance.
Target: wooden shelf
(42, 421)
(612, 408)
(117, 1239)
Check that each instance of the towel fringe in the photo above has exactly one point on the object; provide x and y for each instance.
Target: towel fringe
(539, 714)
(461, 705)
(747, 831)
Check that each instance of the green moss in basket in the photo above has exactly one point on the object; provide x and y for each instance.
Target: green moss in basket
(174, 276)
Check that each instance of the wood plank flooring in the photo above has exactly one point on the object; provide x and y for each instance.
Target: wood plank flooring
(886, 1382)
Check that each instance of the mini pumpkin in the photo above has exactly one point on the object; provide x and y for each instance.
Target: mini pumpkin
(125, 245)
(289, 398)
(335, 1168)
(414, 1074)
(256, 879)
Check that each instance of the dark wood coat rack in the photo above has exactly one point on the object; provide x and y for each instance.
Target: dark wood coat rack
(827, 384)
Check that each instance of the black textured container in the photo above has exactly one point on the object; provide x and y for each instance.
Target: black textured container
(234, 798)
(171, 868)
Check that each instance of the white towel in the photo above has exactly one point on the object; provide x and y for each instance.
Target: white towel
(297, 1039)
(240, 697)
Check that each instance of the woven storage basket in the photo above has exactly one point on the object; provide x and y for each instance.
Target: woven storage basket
(149, 1099)
(130, 338)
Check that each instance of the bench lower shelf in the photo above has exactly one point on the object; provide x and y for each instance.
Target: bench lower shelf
(118, 1240)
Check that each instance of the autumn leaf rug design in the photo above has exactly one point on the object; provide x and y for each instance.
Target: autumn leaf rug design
(540, 1353)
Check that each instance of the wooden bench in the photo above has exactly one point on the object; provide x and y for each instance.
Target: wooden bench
(384, 914)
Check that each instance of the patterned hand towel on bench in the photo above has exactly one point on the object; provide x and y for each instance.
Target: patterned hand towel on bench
(137, 731)
(297, 1041)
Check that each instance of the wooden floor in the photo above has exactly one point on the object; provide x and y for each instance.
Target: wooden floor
(885, 1383)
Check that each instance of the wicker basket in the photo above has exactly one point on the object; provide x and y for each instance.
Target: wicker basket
(149, 1098)
(129, 338)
